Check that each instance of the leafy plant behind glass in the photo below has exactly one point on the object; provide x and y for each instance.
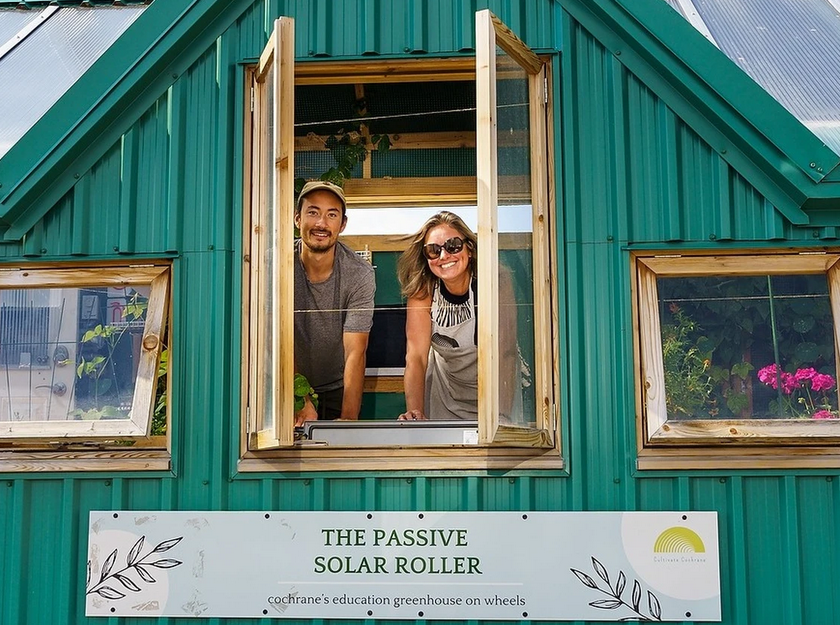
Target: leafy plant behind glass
(727, 321)
(100, 370)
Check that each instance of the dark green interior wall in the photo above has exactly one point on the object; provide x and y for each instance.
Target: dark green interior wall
(630, 173)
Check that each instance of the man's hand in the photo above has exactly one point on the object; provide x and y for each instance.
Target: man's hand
(413, 415)
(307, 413)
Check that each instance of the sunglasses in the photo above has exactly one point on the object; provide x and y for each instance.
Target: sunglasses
(452, 246)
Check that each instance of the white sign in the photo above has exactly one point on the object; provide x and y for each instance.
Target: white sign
(608, 566)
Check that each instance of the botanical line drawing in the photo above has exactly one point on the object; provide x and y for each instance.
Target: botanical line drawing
(615, 593)
(133, 561)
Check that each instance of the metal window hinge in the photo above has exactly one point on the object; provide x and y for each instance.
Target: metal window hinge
(247, 419)
(545, 89)
(253, 95)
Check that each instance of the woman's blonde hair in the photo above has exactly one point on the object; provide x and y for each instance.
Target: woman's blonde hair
(416, 279)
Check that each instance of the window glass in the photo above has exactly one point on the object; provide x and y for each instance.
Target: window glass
(70, 354)
(737, 347)
(516, 275)
(268, 263)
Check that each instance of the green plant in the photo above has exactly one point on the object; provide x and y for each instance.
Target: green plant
(159, 416)
(688, 383)
(350, 145)
(303, 390)
(96, 368)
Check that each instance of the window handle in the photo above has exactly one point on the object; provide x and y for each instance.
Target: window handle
(59, 388)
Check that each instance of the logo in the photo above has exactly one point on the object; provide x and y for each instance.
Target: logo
(678, 540)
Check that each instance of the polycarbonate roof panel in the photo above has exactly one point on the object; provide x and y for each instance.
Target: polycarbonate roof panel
(789, 47)
(12, 21)
(45, 64)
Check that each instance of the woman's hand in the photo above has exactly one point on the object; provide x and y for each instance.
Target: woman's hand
(413, 415)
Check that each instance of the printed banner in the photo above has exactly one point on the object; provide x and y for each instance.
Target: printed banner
(607, 566)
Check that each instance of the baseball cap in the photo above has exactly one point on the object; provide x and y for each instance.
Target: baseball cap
(322, 185)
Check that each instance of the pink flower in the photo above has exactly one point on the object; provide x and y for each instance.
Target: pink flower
(821, 382)
(768, 375)
(789, 382)
(823, 414)
(805, 374)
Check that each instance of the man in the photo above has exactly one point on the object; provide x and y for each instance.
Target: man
(334, 291)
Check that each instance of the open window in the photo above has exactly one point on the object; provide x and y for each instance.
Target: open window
(738, 359)
(80, 355)
(470, 135)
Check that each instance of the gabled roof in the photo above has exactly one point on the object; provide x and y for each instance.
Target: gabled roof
(749, 129)
(762, 141)
(103, 103)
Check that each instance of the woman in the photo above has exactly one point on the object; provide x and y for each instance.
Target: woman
(437, 274)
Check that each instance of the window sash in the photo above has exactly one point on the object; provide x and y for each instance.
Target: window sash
(491, 32)
(277, 59)
(656, 430)
(143, 400)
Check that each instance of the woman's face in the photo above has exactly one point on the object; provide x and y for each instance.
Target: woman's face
(453, 269)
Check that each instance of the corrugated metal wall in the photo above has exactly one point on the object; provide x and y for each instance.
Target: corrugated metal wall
(636, 175)
(632, 173)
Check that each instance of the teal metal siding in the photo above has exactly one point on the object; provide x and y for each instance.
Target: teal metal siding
(632, 174)
(636, 176)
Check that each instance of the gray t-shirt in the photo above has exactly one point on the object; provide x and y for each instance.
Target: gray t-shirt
(324, 311)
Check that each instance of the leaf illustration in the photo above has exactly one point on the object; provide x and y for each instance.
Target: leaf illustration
(87, 583)
(109, 564)
(166, 563)
(109, 593)
(606, 604)
(655, 608)
(166, 545)
(619, 584)
(132, 556)
(637, 595)
(600, 570)
(583, 577)
(144, 574)
(127, 582)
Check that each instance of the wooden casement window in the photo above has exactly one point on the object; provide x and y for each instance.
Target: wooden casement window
(737, 359)
(80, 356)
(512, 169)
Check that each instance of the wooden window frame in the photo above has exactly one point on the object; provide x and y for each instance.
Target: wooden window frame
(99, 444)
(719, 443)
(273, 448)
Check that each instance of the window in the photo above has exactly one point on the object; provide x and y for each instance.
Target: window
(80, 356)
(738, 362)
(468, 135)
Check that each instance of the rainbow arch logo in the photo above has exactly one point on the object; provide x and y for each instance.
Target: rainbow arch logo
(678, 540)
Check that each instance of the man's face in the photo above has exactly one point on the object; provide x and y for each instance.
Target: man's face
(320, 220)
